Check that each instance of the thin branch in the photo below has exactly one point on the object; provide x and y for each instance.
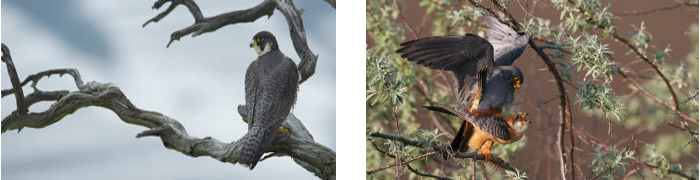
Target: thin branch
(681, 174)
(666, 8)
(496, 160)
(14, 79)
(307, 65)
(408, 165)
(34, 79)
(676, 107)
(654, 66)
(564, 106)
(400, 163)
(653, 97)
(297, 143)
(331, 2)
(404, 22)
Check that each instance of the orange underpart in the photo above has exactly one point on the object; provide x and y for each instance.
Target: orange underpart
(488, 112)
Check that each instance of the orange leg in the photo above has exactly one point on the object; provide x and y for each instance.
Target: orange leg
(486, 150)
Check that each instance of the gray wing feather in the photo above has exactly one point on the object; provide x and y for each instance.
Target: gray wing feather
(271, 87)
(469, 57)
(508, 45)
(493, 125)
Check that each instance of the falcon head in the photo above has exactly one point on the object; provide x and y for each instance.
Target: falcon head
(517, 121)
(515, 76)
(512, 75)
(264, 42)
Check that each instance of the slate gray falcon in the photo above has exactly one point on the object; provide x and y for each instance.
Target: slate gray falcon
(271, 85)
(485, 79)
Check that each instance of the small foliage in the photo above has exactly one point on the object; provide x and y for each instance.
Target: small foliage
(607, 163)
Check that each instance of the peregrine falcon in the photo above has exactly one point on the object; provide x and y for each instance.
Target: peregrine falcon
(485, 130)
(271, 84)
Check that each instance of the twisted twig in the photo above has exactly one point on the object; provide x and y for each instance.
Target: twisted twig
(307, 65)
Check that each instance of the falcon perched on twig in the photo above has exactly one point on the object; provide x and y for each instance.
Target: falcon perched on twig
(271, 84)
(481, 132)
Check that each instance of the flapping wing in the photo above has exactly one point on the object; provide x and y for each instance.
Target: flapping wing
(449, 53)
(508, 45)
(469, 57)
(495, 126)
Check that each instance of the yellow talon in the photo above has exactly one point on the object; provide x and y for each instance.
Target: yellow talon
(282, 129)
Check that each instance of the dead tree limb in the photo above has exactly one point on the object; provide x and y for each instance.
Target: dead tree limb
(297, 143)
(307, 65)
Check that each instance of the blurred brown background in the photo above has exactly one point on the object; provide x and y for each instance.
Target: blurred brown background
(539, 157)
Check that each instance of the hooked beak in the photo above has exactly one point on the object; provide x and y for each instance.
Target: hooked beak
(251, 45)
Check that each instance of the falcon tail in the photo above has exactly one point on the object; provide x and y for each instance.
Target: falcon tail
(251, 150)
(459, 143)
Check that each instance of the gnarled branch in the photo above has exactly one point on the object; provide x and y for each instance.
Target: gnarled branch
(202, 25)
(297, 143)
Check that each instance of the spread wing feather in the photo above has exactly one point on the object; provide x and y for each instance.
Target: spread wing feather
(508, 45)
(469, 57)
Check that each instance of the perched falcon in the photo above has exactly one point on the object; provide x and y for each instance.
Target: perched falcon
(271, 84)
(484, 130)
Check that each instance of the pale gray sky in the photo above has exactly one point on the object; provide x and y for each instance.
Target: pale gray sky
(198, 81)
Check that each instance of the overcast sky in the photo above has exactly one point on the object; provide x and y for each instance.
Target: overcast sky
(197, 81)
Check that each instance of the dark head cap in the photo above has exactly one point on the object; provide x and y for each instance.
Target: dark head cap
(512, 75)
(262, 38)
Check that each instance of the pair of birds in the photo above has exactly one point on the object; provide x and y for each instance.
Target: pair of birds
(482, 67)
(485, 82)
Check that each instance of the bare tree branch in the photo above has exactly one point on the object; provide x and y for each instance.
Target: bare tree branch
(496, 160)
(14, 79)
(297, 143)
(408, 165)
(666, 8)
(331, 2)
(564, 104)
(307, 64)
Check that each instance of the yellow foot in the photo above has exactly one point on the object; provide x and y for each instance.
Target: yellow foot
(282, 129)
(487, 155)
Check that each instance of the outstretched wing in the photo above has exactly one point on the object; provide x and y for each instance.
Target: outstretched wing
(271, 90)
(508, 45)
(495, 126)
(449, 53)
(469, 57)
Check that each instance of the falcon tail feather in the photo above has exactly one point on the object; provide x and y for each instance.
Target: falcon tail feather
(250, 151)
